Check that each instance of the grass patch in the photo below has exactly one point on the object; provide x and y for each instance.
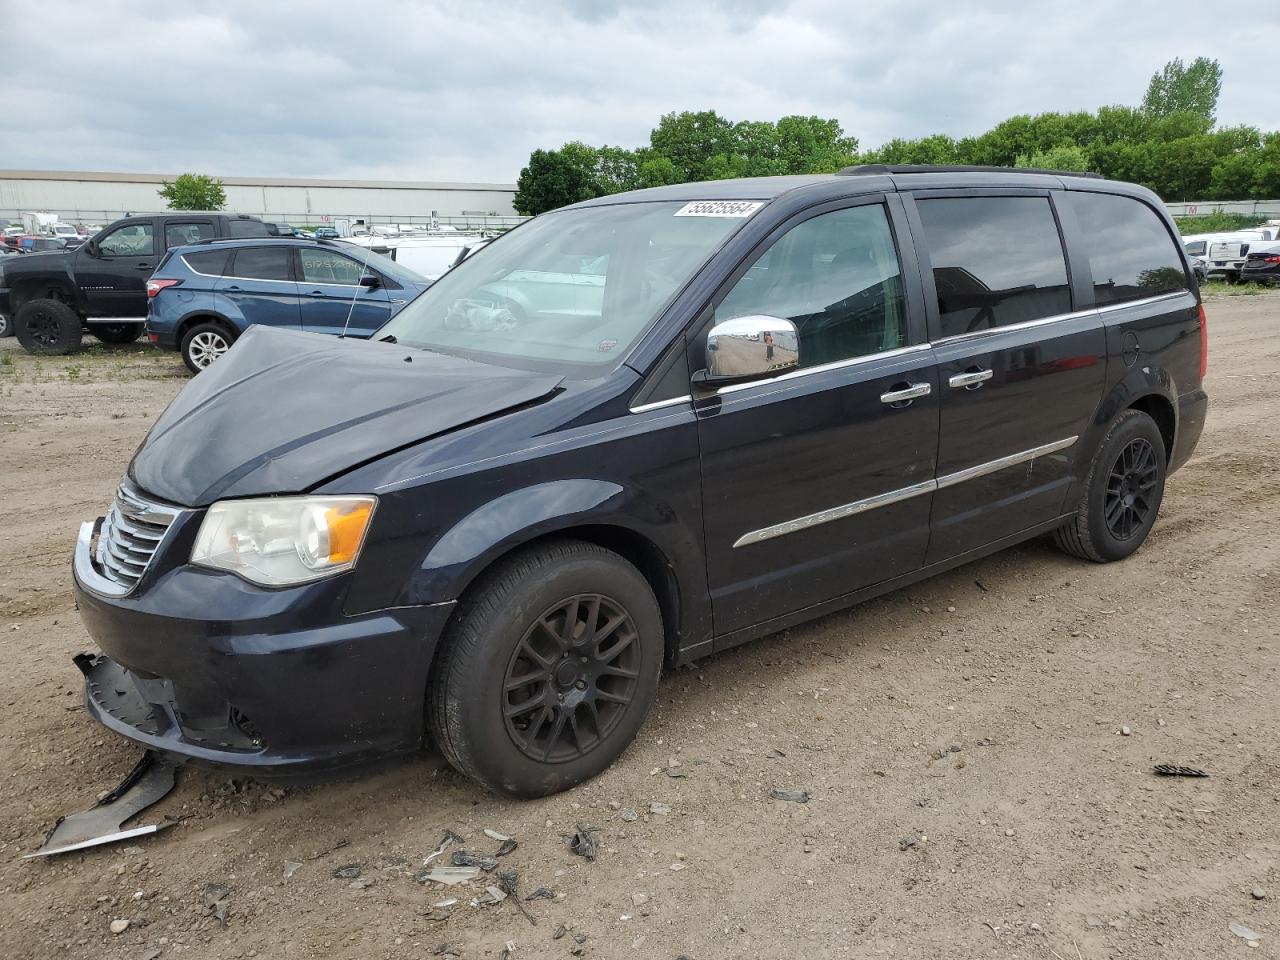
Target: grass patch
(1219, 222)
(1220, 288)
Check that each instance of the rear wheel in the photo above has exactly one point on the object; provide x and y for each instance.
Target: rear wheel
(48, 328)
(203, 344)
(116, 332)
(548, 670)
(1122, 494)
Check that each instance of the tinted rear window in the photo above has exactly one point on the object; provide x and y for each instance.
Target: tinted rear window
(1131, 253)
(246, 228)
(262, 263)
(211, 262)
(996, 261)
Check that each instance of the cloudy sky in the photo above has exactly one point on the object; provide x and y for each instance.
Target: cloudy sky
(464, 91)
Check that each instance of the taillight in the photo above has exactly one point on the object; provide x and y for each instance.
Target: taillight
(1204, 342)
(155, 286)
(1271, 259)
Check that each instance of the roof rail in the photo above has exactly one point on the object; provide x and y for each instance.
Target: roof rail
(881, 169)
(270, 236)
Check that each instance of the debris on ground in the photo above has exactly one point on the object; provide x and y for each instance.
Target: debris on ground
(542, 893)
(629, 815)
(448, 875)
(119, 926)
(1258, 893)
(508, 846)
(560, 932)
(1245, 933)
(509, 880)
(662, 809)
(291, 867)
(449, 839)
(496, 894)
(446, 950)
(909, 841)
(215, 901)
(348, 871)
(1173, 770)
(495, 835)
(361, 883)
(150, 780)
(791, 796)
(583, 843)
(508, 951)
(463, 859)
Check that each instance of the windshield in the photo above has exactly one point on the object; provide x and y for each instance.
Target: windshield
(568, 291)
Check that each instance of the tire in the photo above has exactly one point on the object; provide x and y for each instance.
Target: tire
(48, 328)
(474, 713)
(1122, 493)
(6, 326)
(204, 343)
(117, 333)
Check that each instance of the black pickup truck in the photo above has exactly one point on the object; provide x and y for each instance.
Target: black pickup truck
(49, 299)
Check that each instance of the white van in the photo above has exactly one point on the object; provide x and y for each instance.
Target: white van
(430, 256)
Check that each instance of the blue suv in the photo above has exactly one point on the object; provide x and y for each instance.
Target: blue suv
(203, 296)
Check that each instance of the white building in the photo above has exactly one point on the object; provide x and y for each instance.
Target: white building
(80, 197)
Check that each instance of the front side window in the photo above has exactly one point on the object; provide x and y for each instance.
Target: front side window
(262, 263)
(325, 266)
(130, 240)
(996, 261)
(182, 234)
(569, 291)
(836, 277)
(1131, 253)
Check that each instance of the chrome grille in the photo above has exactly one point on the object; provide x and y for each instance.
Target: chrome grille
(129, 536)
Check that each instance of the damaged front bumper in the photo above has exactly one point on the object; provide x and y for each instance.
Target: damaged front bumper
(201, 664)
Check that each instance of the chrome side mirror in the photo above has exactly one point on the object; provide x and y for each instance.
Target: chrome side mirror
(750, 348)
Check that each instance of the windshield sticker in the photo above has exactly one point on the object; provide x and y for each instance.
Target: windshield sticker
(738, 209)
(606, 345)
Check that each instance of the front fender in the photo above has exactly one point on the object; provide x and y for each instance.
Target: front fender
(489, 531)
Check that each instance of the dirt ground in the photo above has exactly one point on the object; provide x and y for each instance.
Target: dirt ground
(974, 792)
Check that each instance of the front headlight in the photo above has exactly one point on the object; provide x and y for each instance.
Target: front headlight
(284, 540)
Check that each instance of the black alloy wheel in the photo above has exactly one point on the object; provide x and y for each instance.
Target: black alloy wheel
(571, 678)
(1128, 501)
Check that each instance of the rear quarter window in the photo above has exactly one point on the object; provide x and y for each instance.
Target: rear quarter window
(246, 228)
(1131, 253)
(213, 263)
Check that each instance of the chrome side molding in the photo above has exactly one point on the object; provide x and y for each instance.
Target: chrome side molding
(903, 493)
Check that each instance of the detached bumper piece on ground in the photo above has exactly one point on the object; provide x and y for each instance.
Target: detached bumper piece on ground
(149, 781)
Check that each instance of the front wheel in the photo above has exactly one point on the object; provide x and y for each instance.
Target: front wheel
(117, 333)
(48, 328)
(1122, 493)
(548, 670)
(203, 344)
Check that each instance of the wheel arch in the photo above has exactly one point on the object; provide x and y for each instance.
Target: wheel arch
(556, 510)
(43, 288)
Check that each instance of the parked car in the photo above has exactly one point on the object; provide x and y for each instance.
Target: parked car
(1200, 268)
(1262, 266)
(278, 229)
(493, 526)
(1224, 253)
(68, 234)
(35, 243)
(203, 297)
(326, 233)
(101, 286)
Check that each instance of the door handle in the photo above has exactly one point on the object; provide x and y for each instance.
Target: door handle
(145, 266)
(233, 289)
(907, 393)
(970, 379)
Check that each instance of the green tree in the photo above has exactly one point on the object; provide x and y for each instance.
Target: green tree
(1065, 156)
(555, 178)
(194, 191)
(691, 140)
(1178, 87)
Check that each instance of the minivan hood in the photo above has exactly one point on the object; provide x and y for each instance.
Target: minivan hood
(284, 410)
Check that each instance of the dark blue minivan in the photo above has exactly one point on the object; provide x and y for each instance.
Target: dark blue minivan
(203, 296)
(634, 432)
